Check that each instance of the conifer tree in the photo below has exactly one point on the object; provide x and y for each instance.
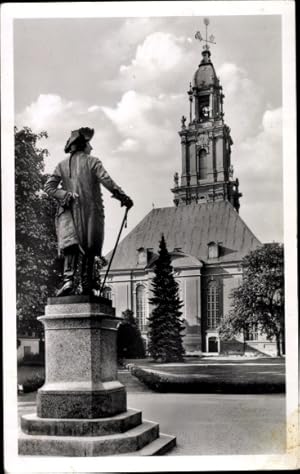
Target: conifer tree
(165, 324)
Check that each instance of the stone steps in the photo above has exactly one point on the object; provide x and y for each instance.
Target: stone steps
(129, 442)
(34, 425)
(123, 434)
(158, 447)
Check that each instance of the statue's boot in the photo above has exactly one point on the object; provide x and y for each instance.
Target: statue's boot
(70, 264)
(87, 274)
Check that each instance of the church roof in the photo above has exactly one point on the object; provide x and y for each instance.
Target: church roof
(179, 259)
(190, 228)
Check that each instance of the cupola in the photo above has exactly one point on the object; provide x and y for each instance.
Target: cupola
(205, 76)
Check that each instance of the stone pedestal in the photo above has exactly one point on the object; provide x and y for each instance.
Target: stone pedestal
(81, 361)
(81, 408)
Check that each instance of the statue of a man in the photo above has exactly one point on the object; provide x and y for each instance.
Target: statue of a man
(76, 184)
(176, 179)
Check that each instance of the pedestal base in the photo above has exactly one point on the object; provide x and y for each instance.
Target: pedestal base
(143, 439)
(81, 404)
(34, 425)
(81, 408)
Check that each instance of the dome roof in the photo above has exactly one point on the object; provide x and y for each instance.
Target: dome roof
(205, 75)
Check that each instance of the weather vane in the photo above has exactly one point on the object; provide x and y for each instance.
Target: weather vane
(211, 39)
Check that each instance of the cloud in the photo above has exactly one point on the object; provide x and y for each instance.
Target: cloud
(128, 145)
(159, 53)
(263, 152)
(58, 117)
(272, 124)
(258, 164)
(49, 111)
(135, 30)
(148, 151)
(43, 113)
(93, 108)
(157, 60)
(257, 151)
(243, 106)
(144, 121)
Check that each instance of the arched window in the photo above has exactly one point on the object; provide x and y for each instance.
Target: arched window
(213, 305)
(202, 164)
(141, 307)
(107, 293)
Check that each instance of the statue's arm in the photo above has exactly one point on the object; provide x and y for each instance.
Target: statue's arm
(104, 178)
(52, 189)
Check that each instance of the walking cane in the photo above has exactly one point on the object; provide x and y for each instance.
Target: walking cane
(114, 250)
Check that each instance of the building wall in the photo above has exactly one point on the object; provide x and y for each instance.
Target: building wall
(190, 294)
(122, 297)
(225, 278)
(193, 287)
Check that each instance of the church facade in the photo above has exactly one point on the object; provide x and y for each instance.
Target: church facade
(204, 232)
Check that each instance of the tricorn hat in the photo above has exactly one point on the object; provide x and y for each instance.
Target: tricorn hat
(83, 134)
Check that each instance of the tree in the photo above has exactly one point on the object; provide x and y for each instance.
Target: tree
(259, 300)
(165, 324)
(129, 339)
(36, 267)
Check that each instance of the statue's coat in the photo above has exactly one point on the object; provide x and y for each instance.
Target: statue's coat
(83, 222)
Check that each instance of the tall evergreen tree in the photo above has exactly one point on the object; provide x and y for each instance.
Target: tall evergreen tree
(36, 265)
(165, 324)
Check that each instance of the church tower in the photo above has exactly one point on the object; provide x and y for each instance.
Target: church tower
(207, 172)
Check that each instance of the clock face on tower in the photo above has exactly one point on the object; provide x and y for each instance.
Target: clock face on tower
(205, 111)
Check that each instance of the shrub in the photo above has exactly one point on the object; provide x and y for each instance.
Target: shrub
(33, 359)
(33, 383)
(129, 339)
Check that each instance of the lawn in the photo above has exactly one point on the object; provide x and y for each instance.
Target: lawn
(214, 376)
(257, 373)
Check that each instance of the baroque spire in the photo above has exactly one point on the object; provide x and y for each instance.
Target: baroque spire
(207, 172)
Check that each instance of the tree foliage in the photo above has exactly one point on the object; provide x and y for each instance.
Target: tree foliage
(165, 324)
(36, 268)
(259, 300)
(129, 339)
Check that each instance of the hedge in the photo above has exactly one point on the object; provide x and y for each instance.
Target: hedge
(166, 382)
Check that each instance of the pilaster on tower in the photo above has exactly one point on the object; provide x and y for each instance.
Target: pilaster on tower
(207, 173)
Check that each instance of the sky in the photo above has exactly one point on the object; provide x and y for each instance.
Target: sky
(128, 79)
